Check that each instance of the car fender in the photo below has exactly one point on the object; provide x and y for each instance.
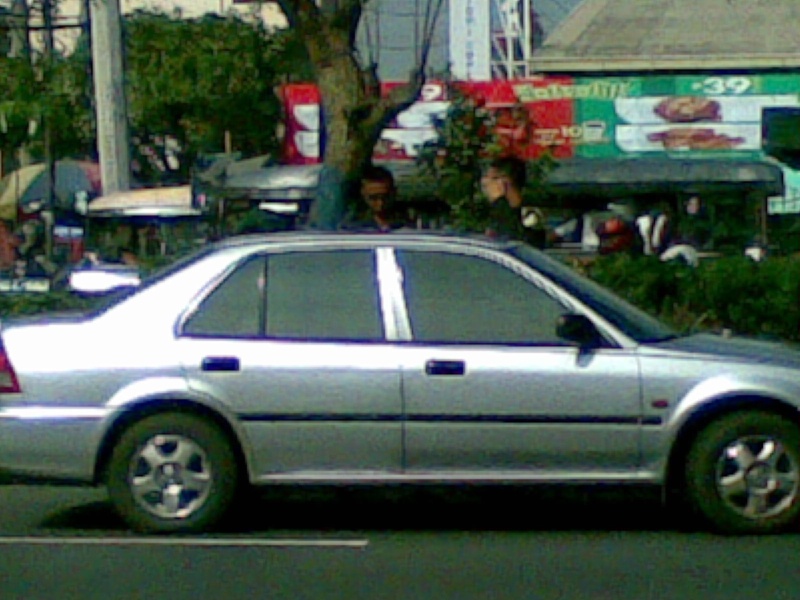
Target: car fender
(141, 393)
(717, 390)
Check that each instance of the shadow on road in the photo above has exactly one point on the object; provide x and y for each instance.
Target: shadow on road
(402, 508)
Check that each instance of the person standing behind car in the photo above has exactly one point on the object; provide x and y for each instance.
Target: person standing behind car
(378, 207)
(502, 183)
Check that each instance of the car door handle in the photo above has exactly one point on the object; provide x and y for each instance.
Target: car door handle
(445, 367)
(220, 363)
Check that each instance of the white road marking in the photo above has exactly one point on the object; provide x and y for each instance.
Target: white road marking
(182, 542)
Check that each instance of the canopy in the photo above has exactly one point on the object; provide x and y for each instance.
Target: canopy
(614, 177)
(26, 187)
(299, 182)
(149, 202)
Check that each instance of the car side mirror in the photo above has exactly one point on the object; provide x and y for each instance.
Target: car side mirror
(578, 329)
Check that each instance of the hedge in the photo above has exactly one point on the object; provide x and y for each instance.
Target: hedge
(734, 293)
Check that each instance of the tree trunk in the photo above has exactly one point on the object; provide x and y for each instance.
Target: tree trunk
(354, 113)
(347, 114)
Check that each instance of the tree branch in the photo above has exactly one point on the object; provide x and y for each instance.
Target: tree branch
(401, 98)
(299, 12)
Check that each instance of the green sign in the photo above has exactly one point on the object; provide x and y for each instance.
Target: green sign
(693, 116)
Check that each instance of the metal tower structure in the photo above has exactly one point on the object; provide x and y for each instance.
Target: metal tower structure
(514, 33)
(492, 39)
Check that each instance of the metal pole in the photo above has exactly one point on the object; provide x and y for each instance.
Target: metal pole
(527, 37)
(112, 120)
(48, 132)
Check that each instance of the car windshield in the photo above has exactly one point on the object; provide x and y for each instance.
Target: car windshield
(631, 320)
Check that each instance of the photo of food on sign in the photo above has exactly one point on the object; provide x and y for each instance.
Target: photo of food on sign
(693, 123)
(688, 109)
(695, 138)
(698, 109)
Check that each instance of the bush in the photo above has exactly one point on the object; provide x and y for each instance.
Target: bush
(30, 303)
(749, 298)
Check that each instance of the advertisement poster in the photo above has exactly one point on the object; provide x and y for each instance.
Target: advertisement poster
(698, 116)
(529, 128)
(682, 115)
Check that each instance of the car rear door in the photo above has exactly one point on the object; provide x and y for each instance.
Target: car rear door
(491, 392)
(292, 343)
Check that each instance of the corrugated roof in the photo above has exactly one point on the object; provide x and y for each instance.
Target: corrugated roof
(164, 201)
(674, 34)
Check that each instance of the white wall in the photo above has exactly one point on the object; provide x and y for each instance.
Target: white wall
(69, 12)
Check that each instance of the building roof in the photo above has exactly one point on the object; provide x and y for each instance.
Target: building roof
(145, 202)
(639, 35)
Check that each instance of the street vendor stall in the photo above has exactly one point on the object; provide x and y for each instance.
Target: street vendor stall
(151, 222)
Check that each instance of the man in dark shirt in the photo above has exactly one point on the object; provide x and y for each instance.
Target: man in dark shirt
(378, 210)
(502, 183)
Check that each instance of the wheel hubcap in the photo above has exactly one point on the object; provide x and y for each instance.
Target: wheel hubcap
(170, 476)
(757, 478)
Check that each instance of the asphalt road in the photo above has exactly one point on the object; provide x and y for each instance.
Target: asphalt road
(63, 543)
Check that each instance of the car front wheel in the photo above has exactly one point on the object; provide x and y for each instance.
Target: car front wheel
(171, 473)
(743, 473)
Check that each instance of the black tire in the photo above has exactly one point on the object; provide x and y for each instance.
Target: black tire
(743, 473)
(172, 473)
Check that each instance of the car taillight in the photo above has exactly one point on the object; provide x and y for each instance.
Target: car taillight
(8, 378)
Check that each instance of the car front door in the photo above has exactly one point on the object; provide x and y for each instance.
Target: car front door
(491, 392)
(293, 345)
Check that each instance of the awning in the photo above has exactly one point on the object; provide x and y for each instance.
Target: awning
(293, 183)
(614, 177)
(150, 202)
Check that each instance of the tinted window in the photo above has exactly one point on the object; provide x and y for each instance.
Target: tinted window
(455, 298)
(323, 295)
(233, 309)
(629, 319)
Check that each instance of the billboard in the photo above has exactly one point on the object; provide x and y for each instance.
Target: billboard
(411, 129)
(683, 115)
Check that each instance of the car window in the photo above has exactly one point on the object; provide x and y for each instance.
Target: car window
(468, 299)
(234, 308)
(631, 320)
(323, 296)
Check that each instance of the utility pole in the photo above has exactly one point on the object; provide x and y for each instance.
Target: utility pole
(48, 214)
(20, 48)
(20, 44)
(112, 117)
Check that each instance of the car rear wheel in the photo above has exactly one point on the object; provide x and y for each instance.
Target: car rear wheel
(743, 473)
(172, 472)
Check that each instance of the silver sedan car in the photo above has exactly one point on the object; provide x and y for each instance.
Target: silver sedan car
(306, 358)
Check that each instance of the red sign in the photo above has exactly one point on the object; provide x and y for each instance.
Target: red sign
(528, 128)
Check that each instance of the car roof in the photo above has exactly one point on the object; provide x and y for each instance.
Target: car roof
(403, 236)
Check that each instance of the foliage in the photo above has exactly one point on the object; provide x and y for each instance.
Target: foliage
(735, 293)
(289, 57)
(194, 80)
(56, 91)
(29, 303)
(467, 138)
